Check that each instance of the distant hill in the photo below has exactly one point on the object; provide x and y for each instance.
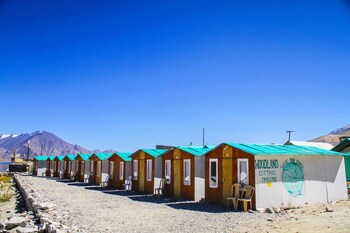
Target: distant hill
(333, 137)
(49, 143)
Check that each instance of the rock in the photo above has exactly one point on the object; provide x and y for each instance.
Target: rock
(42, 228)
(269, 210)
(15, 222)
(270, 219)
(26, 230)
(251, 211)
(2, 225)
(276, 210)
(329, 209)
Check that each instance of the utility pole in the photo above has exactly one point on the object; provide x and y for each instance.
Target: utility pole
(41, 151)
(203, 136)
(289, 132)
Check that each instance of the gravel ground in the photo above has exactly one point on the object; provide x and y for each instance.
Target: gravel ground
(96, 210)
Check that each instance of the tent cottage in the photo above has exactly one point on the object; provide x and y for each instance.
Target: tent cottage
(59, 165)
(99, 167)
(146, 169)
(183, 170)
(50, 165)
(82, 166)
(119, 169)
(39, 164)
(283, 175)
(69, 165)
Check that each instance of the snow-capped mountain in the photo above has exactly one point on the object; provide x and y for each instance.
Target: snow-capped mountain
(39, 141)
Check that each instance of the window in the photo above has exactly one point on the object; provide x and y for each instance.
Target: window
(136, 168)
(149, 170)
(167, 171)
(187, 172)
(98, 168)
(121, 171)
(111, 168)
(92, 166)
(243, 177)
(213, 173)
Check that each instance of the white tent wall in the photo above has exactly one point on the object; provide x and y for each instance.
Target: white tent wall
(104, 170)
(307, 180)
(52, 166)
(157, 172)
(74, 167)
(86, 169)
(61, 166)
(199, 178)
(336, 185)
(127, 169)
(41, 168)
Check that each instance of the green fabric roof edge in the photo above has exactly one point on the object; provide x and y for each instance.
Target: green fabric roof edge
(60, 157)
(71, 157)
(124, 155)
(51, 157)
(84, 157)
(154, 152)
(41, 158)
(265, 149)
(102, 156)
(196, 150)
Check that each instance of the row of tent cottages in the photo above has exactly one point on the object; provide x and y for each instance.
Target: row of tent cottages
(281, 175)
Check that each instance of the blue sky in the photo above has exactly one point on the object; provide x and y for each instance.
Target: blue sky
(125, 75)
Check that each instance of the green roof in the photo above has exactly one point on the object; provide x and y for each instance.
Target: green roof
(84, 157)
(60, 157)
(342, 145)
(41, 158)
(124, 155)
(154, 152)
(51, 157)
(71, 157)
(102, 156)
(264, 149)
(195, 150)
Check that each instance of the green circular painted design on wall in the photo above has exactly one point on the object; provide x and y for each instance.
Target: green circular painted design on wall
(293, 178)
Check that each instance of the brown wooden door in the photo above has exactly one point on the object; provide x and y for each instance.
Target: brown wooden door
(177, 178)
(115, 174)
(227, 179)
(142, 177)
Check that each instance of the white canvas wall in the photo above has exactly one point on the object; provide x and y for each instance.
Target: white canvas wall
(87, 169)
(324, 181)
(104, 170)
(128, 171)
(157, 172)
(199, 178)
(41, 168)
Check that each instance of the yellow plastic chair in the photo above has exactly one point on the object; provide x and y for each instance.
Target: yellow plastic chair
(235, 194)
(247, 198)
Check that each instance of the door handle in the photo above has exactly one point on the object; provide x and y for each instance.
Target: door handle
(223, 180)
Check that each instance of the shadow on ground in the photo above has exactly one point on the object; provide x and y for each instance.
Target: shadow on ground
(152, 199)
(119, 192)
(202, 207)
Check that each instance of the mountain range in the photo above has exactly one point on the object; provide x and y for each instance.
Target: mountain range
(333, 137)
(40, 142)
(45, 143)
